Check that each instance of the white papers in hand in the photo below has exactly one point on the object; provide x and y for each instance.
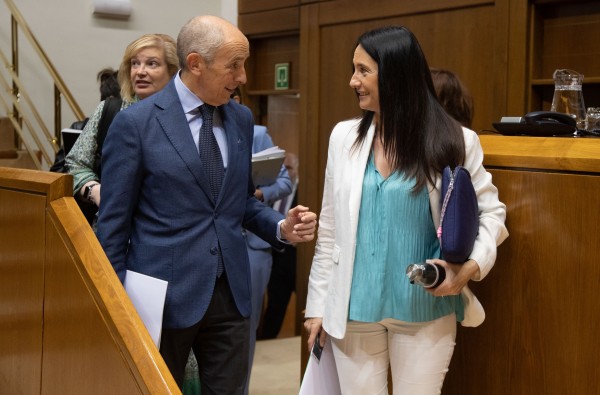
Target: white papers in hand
(321, 377)
(148, 296)
(271, 152)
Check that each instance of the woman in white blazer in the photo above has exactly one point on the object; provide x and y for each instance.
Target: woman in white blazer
(380, 212)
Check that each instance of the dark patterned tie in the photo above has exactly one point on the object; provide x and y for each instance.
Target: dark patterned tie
(210, 154)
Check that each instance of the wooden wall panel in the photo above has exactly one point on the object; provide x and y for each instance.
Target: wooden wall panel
(511, 68)
(21, 291)
(76, 335)
(248, 6)
(311, 164)
(66, 323)
(542, 316)
(284, 121)
(333, 12)
(269, 22)
(265, 53)
(109, 326)
(567, 41)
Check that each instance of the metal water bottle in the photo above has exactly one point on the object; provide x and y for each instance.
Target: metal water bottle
(429, 275)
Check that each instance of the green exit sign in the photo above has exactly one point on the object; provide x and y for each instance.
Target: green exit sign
(282, 76)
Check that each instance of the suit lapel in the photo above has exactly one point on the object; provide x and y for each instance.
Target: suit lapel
(176, 127)
(232, 126)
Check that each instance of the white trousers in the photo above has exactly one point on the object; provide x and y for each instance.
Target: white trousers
(418, 354)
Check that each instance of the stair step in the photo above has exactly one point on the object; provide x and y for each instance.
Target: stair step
(7, 134)
(9, 154)
(21, 161)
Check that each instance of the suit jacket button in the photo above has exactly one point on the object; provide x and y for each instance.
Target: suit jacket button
(214, 251)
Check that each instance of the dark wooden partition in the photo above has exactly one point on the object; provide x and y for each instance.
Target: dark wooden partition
(542, 322)
(66, 323)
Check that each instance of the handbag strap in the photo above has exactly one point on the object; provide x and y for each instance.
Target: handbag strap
(446, 200)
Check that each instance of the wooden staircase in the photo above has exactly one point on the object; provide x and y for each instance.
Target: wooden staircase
(10, 154)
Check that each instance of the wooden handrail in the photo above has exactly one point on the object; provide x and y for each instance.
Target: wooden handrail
(25, 96)
(69, 322)
(20, 95)
(20, 132)
(49, 66)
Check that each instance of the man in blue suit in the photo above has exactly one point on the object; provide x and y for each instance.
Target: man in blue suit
(171, 213)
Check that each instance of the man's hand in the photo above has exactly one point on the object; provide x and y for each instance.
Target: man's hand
(299, 225)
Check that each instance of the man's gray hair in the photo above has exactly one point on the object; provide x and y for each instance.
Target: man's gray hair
(200, 36)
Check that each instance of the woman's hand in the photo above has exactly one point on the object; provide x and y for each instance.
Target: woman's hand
(313, 327)
(95, 195)
(457, 276)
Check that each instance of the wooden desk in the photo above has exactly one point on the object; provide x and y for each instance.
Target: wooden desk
(540, 335)
(543, 153)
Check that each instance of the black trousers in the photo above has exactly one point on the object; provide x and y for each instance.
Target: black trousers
(220, 341)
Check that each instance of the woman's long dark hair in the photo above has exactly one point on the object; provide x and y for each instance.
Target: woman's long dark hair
(419, 137)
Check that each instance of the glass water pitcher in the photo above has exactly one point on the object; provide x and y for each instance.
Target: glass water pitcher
(568, 97)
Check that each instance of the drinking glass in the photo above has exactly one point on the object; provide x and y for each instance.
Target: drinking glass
(592, 119)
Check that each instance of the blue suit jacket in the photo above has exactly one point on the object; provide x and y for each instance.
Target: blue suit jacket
(157, 214)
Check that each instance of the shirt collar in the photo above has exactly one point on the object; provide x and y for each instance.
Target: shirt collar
(189, 101)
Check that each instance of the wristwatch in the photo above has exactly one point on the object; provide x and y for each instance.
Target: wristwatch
(87, 192)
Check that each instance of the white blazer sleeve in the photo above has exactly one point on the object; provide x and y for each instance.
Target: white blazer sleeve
(492, 212)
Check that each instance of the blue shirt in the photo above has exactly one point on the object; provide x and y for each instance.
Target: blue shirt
(395, 229)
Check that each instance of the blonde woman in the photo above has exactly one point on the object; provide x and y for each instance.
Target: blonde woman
(148, 64)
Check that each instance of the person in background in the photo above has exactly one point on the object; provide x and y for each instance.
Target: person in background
(453, 95)
(380, 213)
(282, 282)
(109, 83)
(176, 170)
(148, 64)
(109, 87)
(259, 251)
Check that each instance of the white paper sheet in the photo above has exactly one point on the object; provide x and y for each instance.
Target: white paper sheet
(271, 152)
(148, 296)
(321, 377)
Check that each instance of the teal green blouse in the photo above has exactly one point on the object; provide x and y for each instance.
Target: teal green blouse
(395, 229)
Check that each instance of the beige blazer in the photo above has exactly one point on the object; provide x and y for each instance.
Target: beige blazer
(333, 263)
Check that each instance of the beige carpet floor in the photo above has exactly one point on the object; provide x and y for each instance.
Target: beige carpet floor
(276, 369)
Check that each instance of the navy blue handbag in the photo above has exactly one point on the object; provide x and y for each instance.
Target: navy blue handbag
(459, 219)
